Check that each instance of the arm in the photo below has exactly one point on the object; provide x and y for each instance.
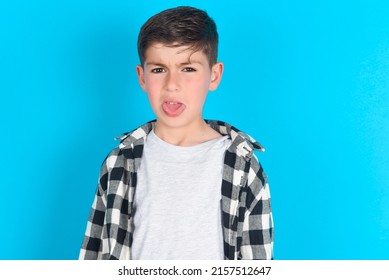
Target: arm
(91, 248)
(257, 239)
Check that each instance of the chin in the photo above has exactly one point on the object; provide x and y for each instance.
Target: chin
(173, 122)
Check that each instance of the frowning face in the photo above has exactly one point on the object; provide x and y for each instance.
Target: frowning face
(177, 81)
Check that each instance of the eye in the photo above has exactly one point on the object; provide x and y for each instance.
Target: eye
(157, 70)
(189, 69)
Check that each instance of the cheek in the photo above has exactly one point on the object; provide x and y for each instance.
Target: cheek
(153, 102)
(199, 93)
(153, 84)
(151, 88)
(200, 84)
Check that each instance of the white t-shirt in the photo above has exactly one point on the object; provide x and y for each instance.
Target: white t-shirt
(177, 201)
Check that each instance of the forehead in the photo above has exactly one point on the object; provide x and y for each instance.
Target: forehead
(159, 52)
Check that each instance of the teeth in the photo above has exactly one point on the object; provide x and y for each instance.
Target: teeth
(172, 103)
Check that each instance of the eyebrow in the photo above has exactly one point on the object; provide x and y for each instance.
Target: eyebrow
(180, 64)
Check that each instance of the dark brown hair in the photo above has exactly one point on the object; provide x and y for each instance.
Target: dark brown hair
(181, 26)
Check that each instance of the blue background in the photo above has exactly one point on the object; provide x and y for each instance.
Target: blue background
(307, 79)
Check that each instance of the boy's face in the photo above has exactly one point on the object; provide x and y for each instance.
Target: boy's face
(177, 81)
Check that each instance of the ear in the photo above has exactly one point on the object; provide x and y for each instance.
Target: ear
(216, 75)
(141, 77)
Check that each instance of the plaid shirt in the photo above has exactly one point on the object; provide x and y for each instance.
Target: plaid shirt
(246, 211)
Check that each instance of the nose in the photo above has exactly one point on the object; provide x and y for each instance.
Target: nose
(172, 81)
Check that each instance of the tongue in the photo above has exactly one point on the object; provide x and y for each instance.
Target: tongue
(173, 109)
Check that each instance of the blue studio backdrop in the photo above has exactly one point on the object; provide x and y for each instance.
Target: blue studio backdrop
(307, 79)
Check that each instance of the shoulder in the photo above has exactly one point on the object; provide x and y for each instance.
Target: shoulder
(111, 159)
(238, 138)
(130, 139)
(257, 188)
(129, 148)
(256, 174)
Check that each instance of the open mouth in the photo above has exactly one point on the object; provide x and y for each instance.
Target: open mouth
(173, 108)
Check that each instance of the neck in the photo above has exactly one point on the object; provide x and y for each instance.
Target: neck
(196, 133)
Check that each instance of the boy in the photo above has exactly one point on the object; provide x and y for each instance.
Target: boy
(180, 187)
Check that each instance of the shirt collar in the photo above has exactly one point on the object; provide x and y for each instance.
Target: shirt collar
(135, 136)
(243, 142)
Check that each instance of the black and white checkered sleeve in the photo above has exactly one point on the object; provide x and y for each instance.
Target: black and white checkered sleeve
(92, 245)
(257, 239)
